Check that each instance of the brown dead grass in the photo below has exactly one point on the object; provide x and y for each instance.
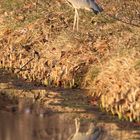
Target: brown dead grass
(117, 86)
(41, 31)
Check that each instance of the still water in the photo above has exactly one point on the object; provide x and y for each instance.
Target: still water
(26, 124)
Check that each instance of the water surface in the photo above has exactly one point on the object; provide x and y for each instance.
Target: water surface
(29, 124)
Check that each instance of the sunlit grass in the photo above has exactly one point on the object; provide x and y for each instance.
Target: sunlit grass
(101, 55)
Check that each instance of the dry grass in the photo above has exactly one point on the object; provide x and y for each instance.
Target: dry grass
(41, 31)
(118, 86)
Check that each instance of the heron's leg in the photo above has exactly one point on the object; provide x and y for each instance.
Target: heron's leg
(75, 19)
(77, 125)
(90, 130)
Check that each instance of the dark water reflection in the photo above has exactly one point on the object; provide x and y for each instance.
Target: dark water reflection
(29, 127)
(55, 126)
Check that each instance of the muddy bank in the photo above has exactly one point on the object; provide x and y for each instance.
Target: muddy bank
(54, 99)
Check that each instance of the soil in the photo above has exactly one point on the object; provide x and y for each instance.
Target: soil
(54, 99)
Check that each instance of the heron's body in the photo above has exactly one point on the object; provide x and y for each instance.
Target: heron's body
(91, 134)
(84, 4)
(80, 4)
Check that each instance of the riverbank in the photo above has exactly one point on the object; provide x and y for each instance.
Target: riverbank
(58, 100)
(37, 44)
(42, 110)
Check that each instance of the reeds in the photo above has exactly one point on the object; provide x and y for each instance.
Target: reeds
(118, 86)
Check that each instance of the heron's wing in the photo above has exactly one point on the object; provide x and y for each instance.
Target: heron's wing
(95, 7)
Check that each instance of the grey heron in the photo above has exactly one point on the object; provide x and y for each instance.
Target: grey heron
(84, 4)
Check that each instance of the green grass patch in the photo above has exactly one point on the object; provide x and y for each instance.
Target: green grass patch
(9, 5)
